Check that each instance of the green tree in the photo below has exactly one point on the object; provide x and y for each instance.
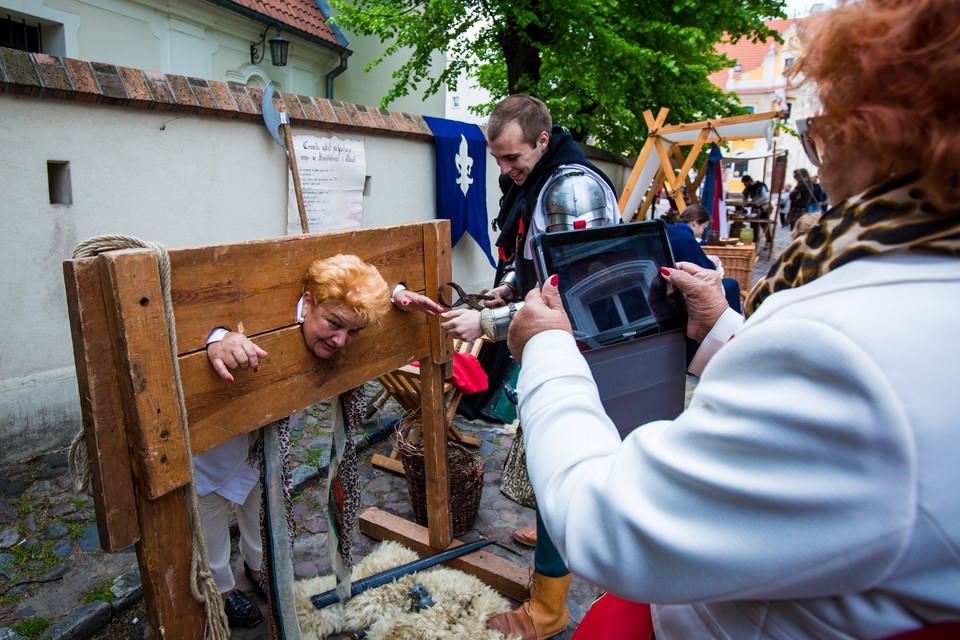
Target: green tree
(598, 64)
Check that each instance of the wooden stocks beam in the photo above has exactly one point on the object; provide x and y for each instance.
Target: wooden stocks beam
(131, 286)
(436, 270)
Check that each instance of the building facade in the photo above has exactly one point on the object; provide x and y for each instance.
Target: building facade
(759, 79)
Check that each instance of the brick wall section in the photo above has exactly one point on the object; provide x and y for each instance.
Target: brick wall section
(46, 76)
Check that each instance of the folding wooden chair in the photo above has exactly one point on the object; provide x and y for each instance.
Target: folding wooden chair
(404, 385)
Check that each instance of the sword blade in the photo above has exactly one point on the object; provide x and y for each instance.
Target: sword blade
(321, 600)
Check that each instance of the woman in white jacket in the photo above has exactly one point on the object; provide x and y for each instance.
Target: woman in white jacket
(809, 490)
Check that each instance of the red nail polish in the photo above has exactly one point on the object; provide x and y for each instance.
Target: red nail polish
(230, 379)
(255, 369)
(554, 279)
(405, 302)
(666, 271)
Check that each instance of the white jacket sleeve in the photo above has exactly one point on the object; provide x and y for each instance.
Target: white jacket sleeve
(720, 334)
(790, 475)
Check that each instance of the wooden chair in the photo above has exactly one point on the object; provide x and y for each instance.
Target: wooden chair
(404, 385)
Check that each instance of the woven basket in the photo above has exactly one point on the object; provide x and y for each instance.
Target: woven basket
(738, 263)
(464, 473)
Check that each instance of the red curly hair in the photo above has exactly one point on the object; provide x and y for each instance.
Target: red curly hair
(889, 78)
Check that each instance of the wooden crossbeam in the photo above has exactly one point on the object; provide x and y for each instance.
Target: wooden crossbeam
(506, 577)
(652, 125)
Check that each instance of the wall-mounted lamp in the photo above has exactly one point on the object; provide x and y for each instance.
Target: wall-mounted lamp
(278, 48)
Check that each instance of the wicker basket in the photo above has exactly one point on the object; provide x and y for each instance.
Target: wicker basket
(464, 473)
(738, 263)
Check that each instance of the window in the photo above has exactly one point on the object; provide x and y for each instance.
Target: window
(750, 108)
(456, 102)
(740, 168)
(787, 63)
(58, 182)
(19, 35)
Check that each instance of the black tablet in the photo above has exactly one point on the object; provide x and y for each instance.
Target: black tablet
(610, 281)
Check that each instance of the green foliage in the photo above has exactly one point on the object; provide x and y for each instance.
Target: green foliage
(597, 64)
(313, 456)
(32, 628)
(101, 592)
(34, 562)
(76, 529)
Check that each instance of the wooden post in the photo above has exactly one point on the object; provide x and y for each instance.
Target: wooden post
(431, 396)
(101, 408)
(627, 195)
(131, 287)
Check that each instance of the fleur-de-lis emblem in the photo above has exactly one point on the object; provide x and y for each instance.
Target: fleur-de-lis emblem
(464, 164)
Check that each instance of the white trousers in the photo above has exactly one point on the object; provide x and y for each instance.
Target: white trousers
(215, 512)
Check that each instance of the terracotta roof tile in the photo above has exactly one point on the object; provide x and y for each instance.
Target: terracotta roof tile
(301, 14)
(48, 76)
(749, 55)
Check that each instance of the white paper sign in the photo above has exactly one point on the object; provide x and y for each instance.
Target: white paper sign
(332, 172)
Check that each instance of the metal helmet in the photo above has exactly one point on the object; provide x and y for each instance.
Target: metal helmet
(575, 196)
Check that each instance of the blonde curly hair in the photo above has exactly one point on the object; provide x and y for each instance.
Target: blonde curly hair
(346, 280)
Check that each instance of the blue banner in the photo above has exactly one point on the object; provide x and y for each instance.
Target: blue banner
(461, 180)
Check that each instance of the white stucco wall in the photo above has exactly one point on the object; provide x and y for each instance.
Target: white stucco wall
(177, 179)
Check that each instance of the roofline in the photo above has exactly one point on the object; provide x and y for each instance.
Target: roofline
(341, 48)
(786, 87)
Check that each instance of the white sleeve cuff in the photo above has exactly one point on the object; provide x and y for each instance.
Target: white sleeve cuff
(726, 325)
(217, 334)
(396, 289)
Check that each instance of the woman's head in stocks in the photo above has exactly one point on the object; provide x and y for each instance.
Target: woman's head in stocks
(888, 73)
(343, 295)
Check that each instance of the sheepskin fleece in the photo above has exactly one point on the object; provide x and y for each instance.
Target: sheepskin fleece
(462, 603)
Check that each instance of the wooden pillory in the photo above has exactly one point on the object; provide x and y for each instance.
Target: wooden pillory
(131, 418)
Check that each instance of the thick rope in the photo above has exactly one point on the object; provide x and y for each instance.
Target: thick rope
(79, 464)
(202, 587)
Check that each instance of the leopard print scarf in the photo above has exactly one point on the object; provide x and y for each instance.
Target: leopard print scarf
(893, 216)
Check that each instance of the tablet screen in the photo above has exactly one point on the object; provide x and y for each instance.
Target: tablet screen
(610, 281)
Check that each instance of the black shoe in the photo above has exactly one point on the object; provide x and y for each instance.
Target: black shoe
(256, 585)
(240, 610)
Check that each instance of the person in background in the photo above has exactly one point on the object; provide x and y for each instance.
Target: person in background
(784, 206)
(803, 198)
(684, 238)
(757, 196)
(805, 222)
(808, 490)
(820, 194)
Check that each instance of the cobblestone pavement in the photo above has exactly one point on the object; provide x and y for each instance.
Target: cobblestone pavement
(54, 576)
(55, 582)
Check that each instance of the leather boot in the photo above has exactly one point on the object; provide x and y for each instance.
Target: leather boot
(526, 536)
(543, 616)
